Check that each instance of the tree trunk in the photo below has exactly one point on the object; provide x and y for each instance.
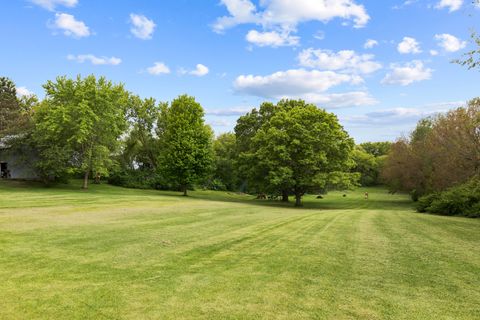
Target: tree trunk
(285, 196)
(298, 199)
(185, 191)
(85, 179)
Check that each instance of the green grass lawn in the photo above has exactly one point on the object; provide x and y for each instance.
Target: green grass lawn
(113, 253)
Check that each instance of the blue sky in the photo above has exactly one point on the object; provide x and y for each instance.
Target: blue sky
(379, 65)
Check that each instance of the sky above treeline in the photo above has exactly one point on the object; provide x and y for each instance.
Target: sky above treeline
(379, 65)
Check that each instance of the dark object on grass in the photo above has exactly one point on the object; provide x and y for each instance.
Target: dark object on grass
(262, 196)
(344, 195)
(319, 197)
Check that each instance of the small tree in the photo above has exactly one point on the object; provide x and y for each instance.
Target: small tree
(187, 153)
(301, 146)
(78, 125)
(9, 107)
(225, 160)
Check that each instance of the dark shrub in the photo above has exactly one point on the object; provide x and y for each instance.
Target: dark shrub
(461, 200)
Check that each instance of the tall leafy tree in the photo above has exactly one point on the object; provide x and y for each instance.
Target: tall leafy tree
(187, 154)
(78, 125)
(300, 147)
(9, 107)
(141, 146)
(248, 169)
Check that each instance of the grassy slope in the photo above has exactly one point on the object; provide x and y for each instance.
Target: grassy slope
(112, 253)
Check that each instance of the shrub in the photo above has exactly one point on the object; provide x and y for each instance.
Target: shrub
(461, 200)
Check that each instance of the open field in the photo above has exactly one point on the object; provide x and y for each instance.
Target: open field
(112, 253)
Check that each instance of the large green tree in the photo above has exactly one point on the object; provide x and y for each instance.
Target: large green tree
(187, 153)
(78, 125)
(300, 147)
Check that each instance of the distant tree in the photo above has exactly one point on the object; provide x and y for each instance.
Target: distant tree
(187, 154)
(78, 125)
(367, 165)
(141, 145)
(300, 147)
(376, 149)
(9, 107)
(225, 150)
(441, 152)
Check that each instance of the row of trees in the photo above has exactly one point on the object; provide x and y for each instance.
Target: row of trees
(93, 127)
(442, 152)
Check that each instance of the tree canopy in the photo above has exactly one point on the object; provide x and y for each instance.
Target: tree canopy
(78, 125)
(187, 154)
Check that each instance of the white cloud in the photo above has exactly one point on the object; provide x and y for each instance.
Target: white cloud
(158, 68)
(81, 58)
(285, 15)
(401, 115)
(142, 27)
(52, 4)
(292, 83)
(450, 43)
(230, 112)
(200, 70)
(409, 45)
(346, 60)
(71, 26)
(272, 38)
(407, 73)
(338, 100)
(23, 91)
(370, 43)
(433, 52)
(452, 5)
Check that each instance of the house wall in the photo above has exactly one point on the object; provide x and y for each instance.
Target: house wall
(21, 167)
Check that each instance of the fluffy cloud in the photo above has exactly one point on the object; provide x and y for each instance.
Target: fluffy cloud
(70, 26)
(309, 85)
(290, 13)
(23, 91)
(81, 58)
(452, 5)
(282, 16)
(338, 100)
(408, 73)
(292, 83)
(158, 68)
(370, 43)
(52, 4)
(401, 115)
(450, 43)
(409, 45)
(230, 112)
(200, 70)
(346, 60)
(272, 38)
(142, 27)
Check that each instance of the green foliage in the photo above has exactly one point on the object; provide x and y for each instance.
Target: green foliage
(225, 174)
(376, 149)
(15, 113)
(141, 147)
(367, 166)
(78, 125)
(186, 142)
(462, 200)
(298, 145)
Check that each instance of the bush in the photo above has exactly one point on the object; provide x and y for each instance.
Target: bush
(137, 179)
(461, 200)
